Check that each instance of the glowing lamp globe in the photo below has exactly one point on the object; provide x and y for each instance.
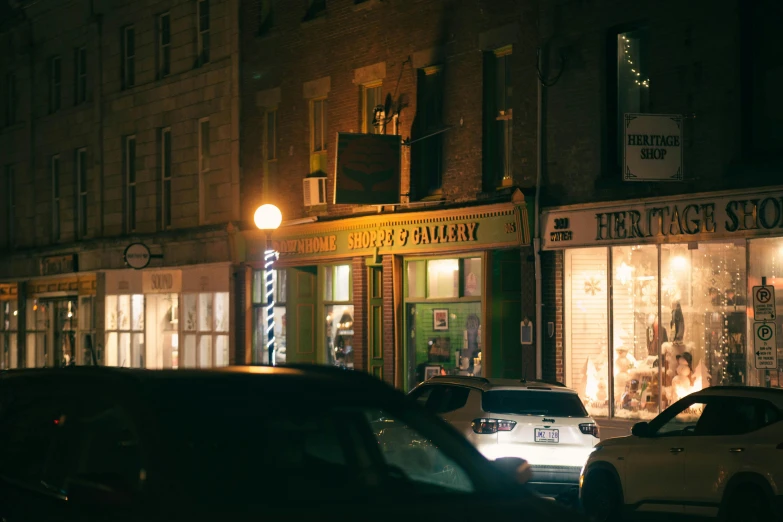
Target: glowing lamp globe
(268, 217)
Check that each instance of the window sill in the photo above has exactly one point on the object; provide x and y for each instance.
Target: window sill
(366, 5)
(196, 70)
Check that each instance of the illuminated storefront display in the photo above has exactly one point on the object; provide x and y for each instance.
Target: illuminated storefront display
(655, 297)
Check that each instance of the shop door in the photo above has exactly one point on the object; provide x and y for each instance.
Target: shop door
(61, 337)
(301, 303)
(506, 314)
(375, 323)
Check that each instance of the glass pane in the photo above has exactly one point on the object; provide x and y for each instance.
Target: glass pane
(8, 315)
(416, 278)
(14, 351)
(204, 312)
(339, 335)
(587, 326)
(704, 295)
(205, 351)
(124, 355)
(36, 315)
(258, 287)
(137, 309)
(635, 308)
(471, 273)
(111, 312)
(259, 336)
(123, 312)
(633, 82)
(329, 288)
(280, 286)
(87, 346)
(85, 313)
(190, 351)
(766, 260)
(137, 351)
(280, 346)
(221, 312)
(221, 350)
(317, 106)
(443, 278)
(112, 355)
(190, 312)
(342, 283)
(443, 339)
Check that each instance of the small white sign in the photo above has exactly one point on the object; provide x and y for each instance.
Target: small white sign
(137, 256)
(764, 303)
(652, 147)
(765, 346)
(526, 332)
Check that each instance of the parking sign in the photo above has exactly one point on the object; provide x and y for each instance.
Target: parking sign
(765, 346)
(764, 303)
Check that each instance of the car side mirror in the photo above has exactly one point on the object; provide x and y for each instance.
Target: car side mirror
(517, 469)
(99, 490)
(640, 429)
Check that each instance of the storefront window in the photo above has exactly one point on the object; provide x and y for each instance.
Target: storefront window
(87, 333)
(125, 330)
(162, 333)
(37, 324)
(279, 311)
(260, 322)
(338, 315)
(443, 327)
(587, 327)
(634, 311)
(766, 260)
(9, 314)
(206, 317)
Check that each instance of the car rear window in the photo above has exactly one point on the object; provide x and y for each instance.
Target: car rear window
(529, 402)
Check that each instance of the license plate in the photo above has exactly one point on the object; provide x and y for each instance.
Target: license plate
(548, 436)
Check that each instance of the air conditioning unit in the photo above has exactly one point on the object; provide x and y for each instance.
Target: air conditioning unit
(314, 191)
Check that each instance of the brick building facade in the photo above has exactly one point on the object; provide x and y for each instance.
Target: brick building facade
(120, 126)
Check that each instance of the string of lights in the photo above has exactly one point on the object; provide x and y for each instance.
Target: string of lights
(627, 52)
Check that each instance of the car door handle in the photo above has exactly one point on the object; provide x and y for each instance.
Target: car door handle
(737, 450)
(676, 450)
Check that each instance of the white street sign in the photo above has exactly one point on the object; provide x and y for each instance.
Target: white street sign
(764, 303)
(764, 346)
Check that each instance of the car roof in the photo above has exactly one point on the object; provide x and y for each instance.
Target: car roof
(774, 395)
(487, 384)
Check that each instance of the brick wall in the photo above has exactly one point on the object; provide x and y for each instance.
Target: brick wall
(389, 362)
(359, 275)
(552, 290)
(401, 35)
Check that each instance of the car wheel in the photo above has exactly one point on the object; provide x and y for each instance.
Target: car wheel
(747, 503)
(601, 497)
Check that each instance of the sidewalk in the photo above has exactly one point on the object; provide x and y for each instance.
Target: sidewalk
(611, 428)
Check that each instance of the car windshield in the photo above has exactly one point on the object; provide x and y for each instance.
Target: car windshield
(529, 402)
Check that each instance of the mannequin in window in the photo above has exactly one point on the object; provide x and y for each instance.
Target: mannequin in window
(678, 322)
(655, 335)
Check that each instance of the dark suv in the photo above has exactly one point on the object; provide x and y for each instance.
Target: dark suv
(234, 444)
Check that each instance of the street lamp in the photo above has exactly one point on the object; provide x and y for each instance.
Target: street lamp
(268, 218)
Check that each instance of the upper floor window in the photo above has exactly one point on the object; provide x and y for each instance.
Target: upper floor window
(80, 75)
(165, 177)
(266, 16)
(427, 153)
(128, 57)
(10, 203)
(203, 168)
(11, 98)
(315, 9)
(55, 83)
(203, 32)
(81, 192)
(371, 97)
(632, 80)
(164, 45)
(498, 115)
(129, 167)
(271, 135)
(55, 177)
(318, 126)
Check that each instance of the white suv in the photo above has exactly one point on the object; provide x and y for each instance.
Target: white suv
(543, 423)
(716, 452)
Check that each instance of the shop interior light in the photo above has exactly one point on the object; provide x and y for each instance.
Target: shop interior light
(679, 262)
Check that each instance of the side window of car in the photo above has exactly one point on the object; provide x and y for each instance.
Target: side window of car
(27, 431)
(447, 398)
(734, 416)
(422, 394)
(680, 419)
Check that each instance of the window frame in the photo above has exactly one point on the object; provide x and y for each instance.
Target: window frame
(80, 173)
(80, 75)
(129, 173)
(198, 333)
(118, 330)
(128, 57)
(204, 165)
(55, 83)
(163, 46)
(321, 102)
(165, 178)
(54, 173)
(203, 27)
(461, 297)
(367, 120)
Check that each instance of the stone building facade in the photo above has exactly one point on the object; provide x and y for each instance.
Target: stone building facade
(120, 127)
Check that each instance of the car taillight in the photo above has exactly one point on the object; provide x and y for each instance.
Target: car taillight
(489, 426)
(590, 429)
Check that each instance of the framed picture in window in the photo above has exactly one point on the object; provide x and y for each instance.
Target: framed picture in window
(440, 319)
(432, 371)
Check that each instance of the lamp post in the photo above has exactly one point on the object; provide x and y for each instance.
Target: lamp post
(268, 218)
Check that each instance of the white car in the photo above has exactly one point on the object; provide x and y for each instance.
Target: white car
(543, 423)
(716, 452)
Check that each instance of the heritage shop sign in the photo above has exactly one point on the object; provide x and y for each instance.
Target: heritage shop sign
(652, 149)
(491, 226)
(675, 220)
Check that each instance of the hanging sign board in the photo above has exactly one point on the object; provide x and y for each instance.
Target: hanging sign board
(652, 147)
(765, 346)
(764, 303)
